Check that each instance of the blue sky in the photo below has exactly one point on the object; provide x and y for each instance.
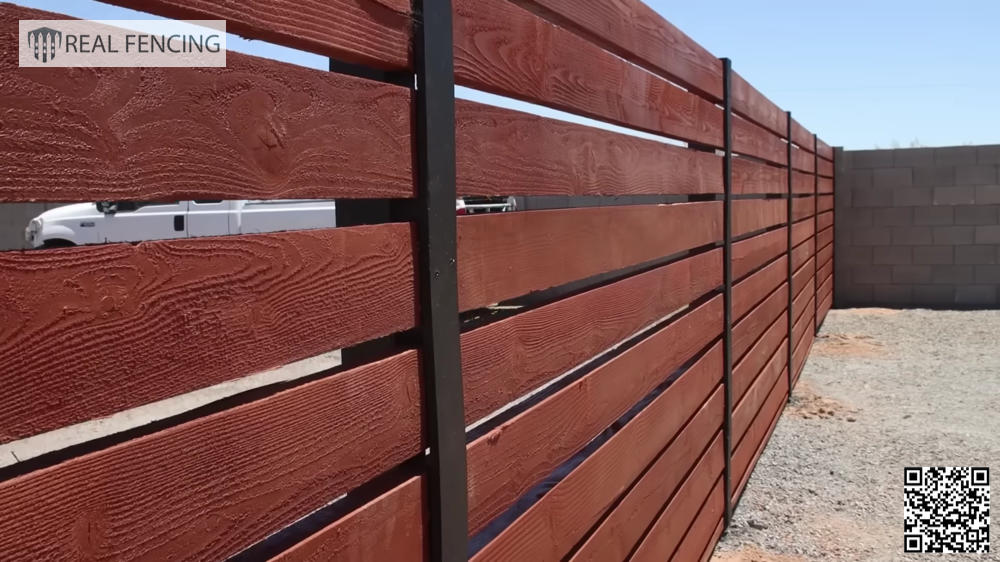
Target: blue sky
(860, 73)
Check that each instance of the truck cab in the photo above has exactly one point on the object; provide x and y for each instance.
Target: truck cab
(133, 221)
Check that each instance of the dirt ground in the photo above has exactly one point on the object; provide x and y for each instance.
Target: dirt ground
(882, 390)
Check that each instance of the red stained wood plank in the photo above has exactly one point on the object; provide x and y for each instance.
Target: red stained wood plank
(505, 360)
(824, 237)
(390, 527)
(803, 161)
(120, 325)
(824, 220)
(825, 202)
(553, 526)
(637, 33)
(801, 136)
(754, 441)
(803, 182)
(826, 169)
(750, 176)
(824, 150)
(750, 103)
(665, 534)
(746, 331)
(802, 347)
(279, 131)
(826, 281)
(754, 252)
(824, 307)
(710, 547)
(801, 276)
(370, 32)
(505, 152)
(746, 409)
(703, 528)
(802, 253)
(505, 255)
(538, 440)
(750, 215)
(824, 255)
(799, 305)
(210, 487)
(825, 185)
(803, 207)
(747, 293)
(805, 322)
(505, 49)
(802, 231)
(753, 361)
(753, 140)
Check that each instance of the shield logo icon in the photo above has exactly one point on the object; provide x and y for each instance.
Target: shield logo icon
(43, 42)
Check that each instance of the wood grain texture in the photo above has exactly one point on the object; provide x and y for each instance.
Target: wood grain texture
(754, 252)
(508, 461)
(706, 554)
(623, 527)
(747, 293)
(748, 406)
(505, 49)
(801, 277)
(210, 487)
(748, 102)
(754, 140)
(669, 528)
(750, 215)
(824, 255)
(552, 527)
(747, 369)
(505, 152)
(825, 202)
(505, 255)
(805, 322)
(390, 527)
(803, 207)
(750, 176)
(799, 304)
(802, 231)
(801, 136)
(745, 455)
(825, 185)
(824, 220)
(257, 129)
(637, 33)
(746, 331)
(803, 182)
(120, 325)
(824, 150)
(370, 32)
(803, 161)
(824, 237)
(507, 359)
(825, 169)
(703, 528)
(802, 253)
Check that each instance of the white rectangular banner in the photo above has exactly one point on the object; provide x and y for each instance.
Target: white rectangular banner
(121, 43)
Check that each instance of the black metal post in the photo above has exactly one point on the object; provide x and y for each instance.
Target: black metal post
(434, 140)
(816, 234)
(791, 272)
(727, 279)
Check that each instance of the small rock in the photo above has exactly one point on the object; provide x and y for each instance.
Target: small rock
(756, 524)
(851, 419)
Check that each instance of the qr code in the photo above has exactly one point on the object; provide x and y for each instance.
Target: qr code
(946, 509)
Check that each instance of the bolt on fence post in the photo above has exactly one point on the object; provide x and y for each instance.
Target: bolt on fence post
(444, 415)
(791, 272)
(816, 233)
(727, 279)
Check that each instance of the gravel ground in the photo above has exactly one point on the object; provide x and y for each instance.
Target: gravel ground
(922, 388)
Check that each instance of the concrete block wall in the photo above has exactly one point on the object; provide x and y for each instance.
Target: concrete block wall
(918, 227)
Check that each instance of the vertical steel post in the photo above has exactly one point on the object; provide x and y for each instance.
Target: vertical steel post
(444, 416)
(791, 271)
(727, 279)
(816, 234)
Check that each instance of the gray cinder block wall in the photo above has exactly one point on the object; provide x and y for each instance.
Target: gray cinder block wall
(918, 227)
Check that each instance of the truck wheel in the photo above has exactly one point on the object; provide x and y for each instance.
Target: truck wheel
(57, 243)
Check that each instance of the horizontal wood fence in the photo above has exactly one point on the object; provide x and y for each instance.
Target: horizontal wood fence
(612, 407)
